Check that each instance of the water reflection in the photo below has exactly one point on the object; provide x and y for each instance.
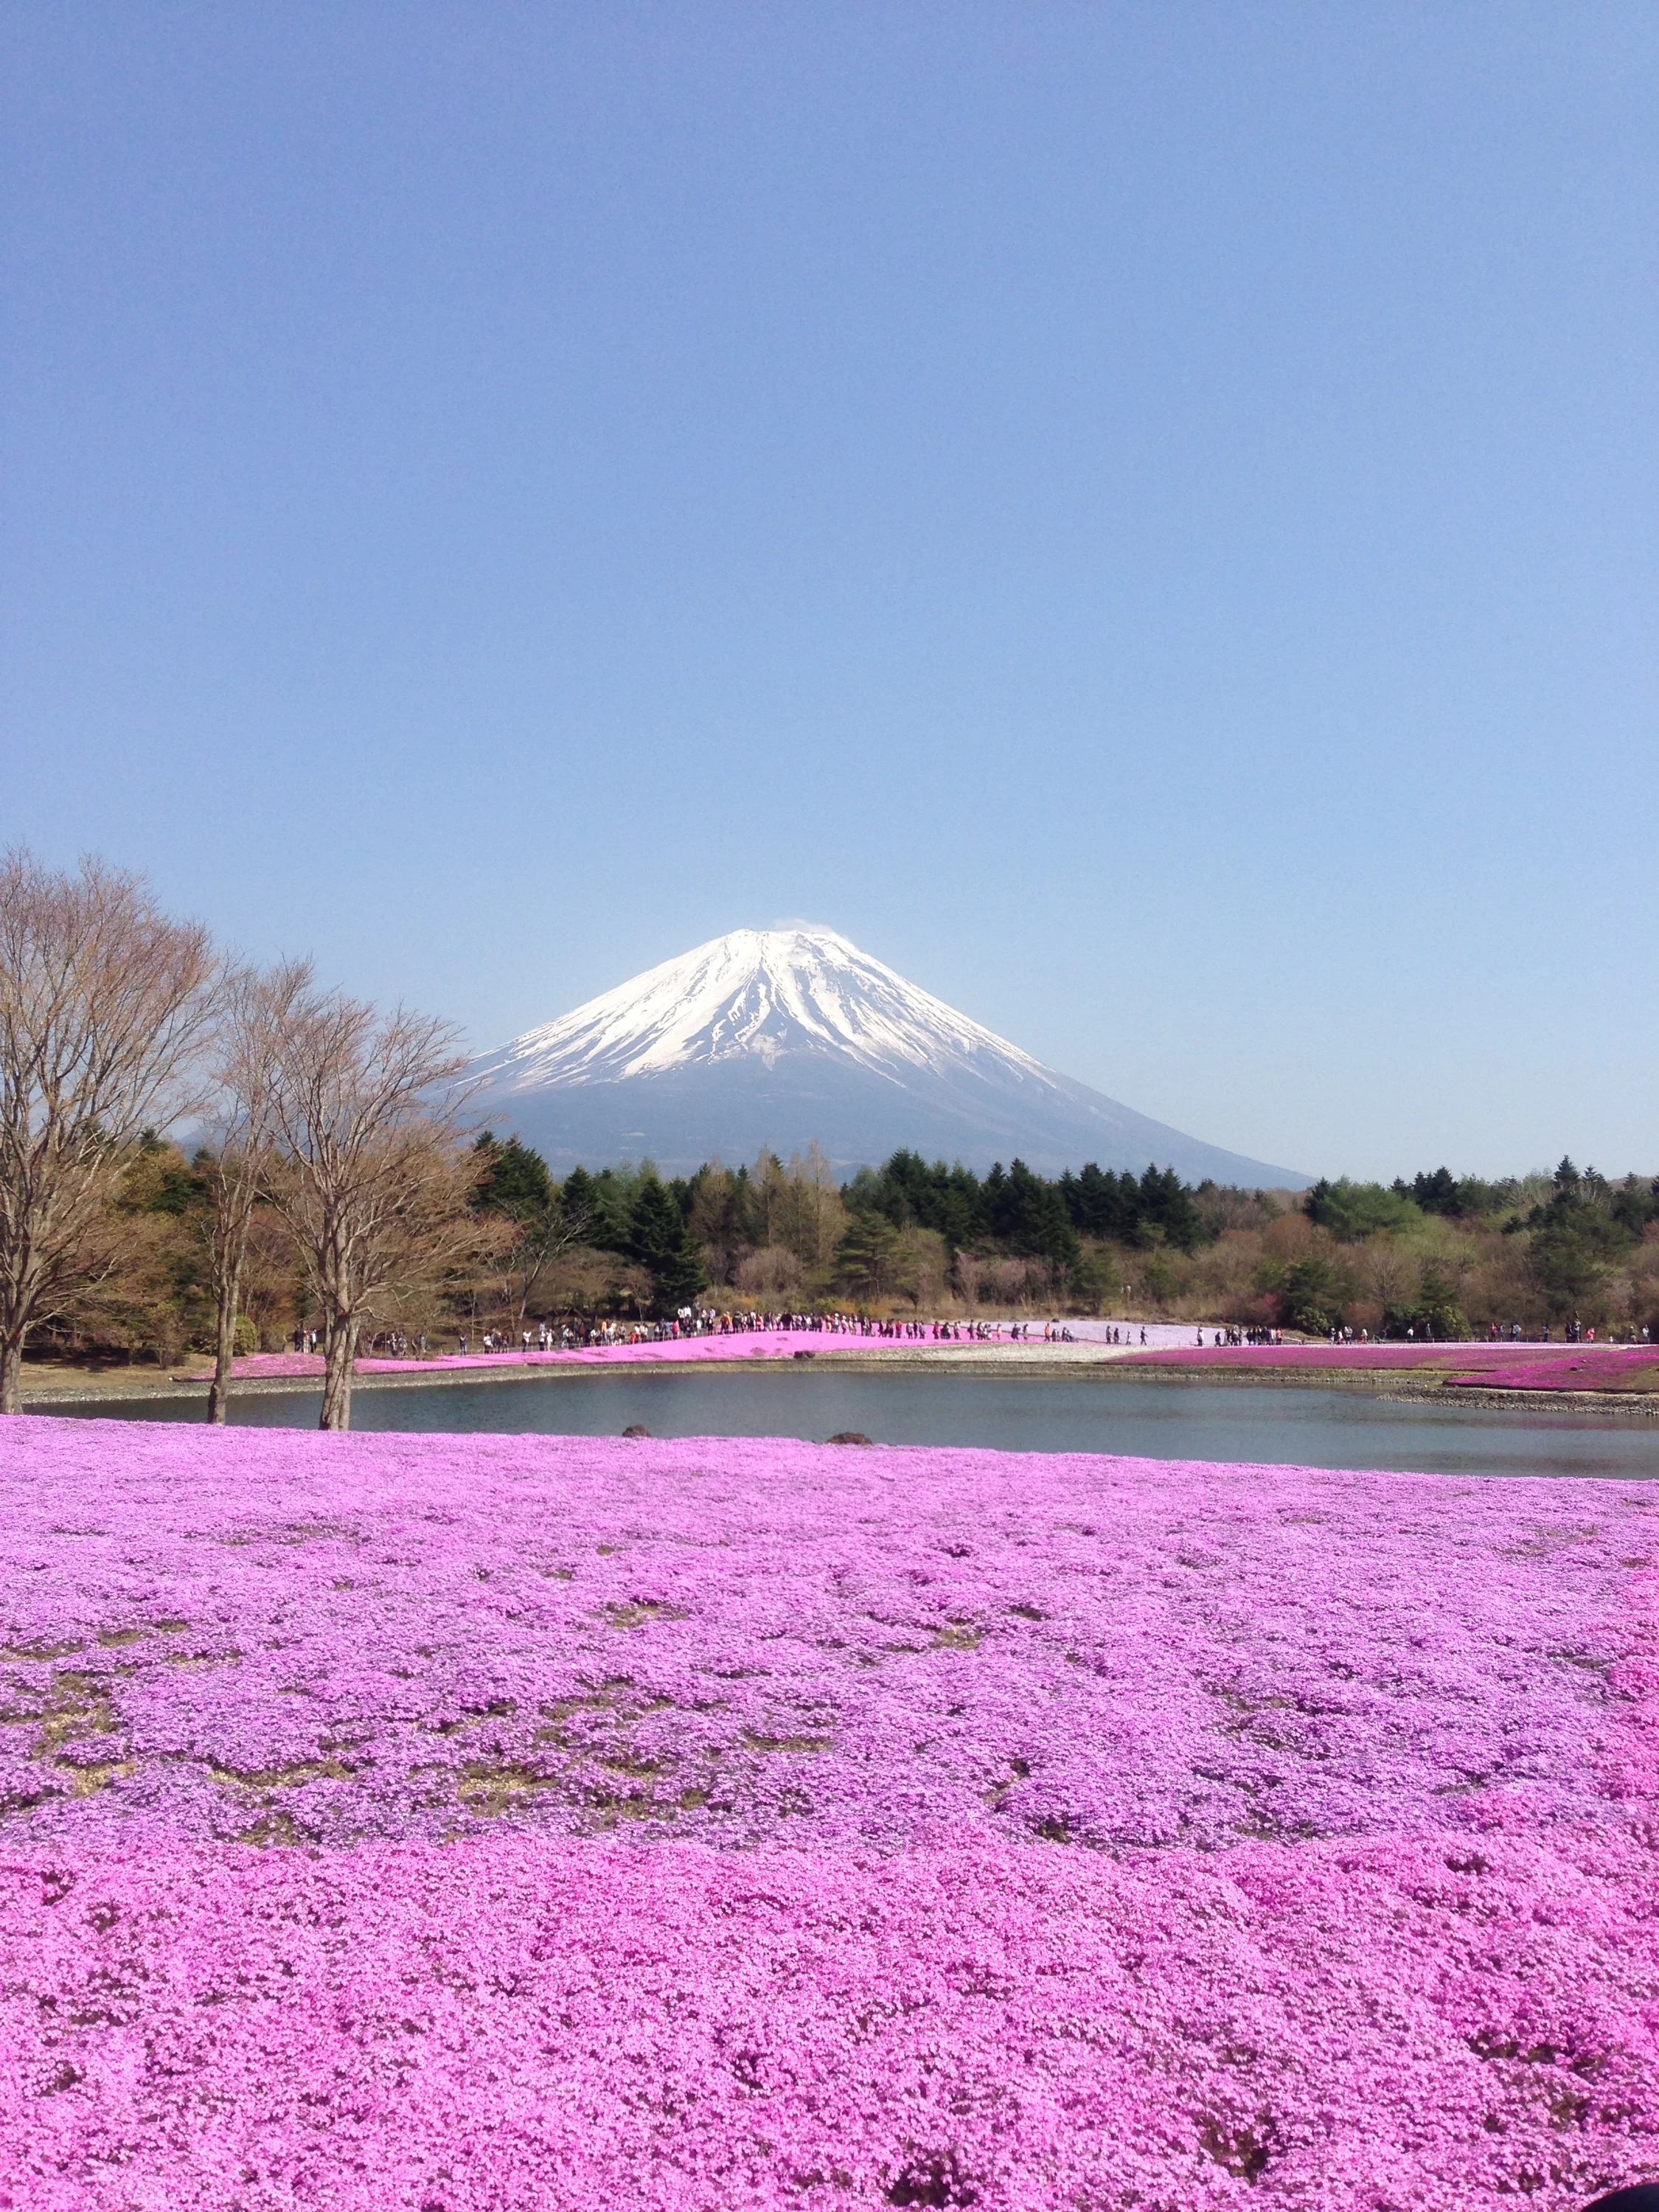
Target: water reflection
(1051, 1413)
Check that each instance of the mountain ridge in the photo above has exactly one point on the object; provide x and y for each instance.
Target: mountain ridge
(774, 1037)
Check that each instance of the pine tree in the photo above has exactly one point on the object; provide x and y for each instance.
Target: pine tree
(513, 1180)
(657, 1239)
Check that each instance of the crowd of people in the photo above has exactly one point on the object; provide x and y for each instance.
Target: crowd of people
(693, 1321)
(704, 1322)
(1573, 1332)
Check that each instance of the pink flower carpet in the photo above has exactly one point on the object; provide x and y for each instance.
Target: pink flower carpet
(1575, 1367)
(752, 1344)
(741, 1344)
(1483, 1366)
(503, 1822)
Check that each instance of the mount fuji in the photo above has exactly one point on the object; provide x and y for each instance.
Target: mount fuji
(772, 1037)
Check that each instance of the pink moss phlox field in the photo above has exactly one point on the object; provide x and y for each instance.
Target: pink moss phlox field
(1401, 2024)
(422, 1637)
(756, 1344)
(723, 1824)
(1589, 1367)
(1515, 1366)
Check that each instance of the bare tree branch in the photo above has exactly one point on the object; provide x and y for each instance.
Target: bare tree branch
(540, 1237)
(365, 1110)
(104, 1005)
(257, 1008)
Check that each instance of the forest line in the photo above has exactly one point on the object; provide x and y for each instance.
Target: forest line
(330, 1179)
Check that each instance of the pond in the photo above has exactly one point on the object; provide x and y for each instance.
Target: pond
(1293, 1426)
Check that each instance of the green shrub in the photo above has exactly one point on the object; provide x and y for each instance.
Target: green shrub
(1436, 1313)
(1313, 1298)
(1354, 1211)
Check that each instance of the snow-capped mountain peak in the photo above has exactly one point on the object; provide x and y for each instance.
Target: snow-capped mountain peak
(759, 994)
(771, 1039)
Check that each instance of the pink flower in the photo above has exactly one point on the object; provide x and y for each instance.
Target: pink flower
(718, 1823)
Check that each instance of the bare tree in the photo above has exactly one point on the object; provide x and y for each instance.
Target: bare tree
(373, 1182)
(1387, 1273)
(922, 1268)
(815, 1215)
(528, 1223)
(772, 1276)
(104, 1004)
(539, 1237)
(257, 1008)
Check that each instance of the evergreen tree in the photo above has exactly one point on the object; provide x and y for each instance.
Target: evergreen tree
(1439, 1193)
(1574, 1243)
(513, 1179)
(1439, 1311)
(1312, 1298)
(610, 1195)
(1029, 1215)
(1166, 1204)
(657, 1239)
(1353, 1210)
(866, 1261)
(577, 1193)
(912, 1194)
(1634, 1206)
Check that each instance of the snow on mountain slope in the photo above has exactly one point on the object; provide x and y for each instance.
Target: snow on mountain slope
(775, 1037)
(760, 992)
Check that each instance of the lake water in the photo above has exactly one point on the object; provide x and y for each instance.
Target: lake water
(1059, 1414)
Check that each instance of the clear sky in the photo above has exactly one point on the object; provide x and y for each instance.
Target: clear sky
(1143, 516)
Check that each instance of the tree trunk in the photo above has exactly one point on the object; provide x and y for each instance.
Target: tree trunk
(224, 1349)
(11, 1371)
(339, 1353)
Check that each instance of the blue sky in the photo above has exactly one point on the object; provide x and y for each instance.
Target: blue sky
(1145, 517)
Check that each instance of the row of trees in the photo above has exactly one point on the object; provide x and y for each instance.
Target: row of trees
(1441, 1251)
(788, 1235)
(330, 1181)
(318, 1113)
(1435, 1256)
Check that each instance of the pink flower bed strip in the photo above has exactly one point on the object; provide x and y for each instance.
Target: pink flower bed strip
(757, 1344)
(1589, 1367)
(733, 1823)
(1512, 1366)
